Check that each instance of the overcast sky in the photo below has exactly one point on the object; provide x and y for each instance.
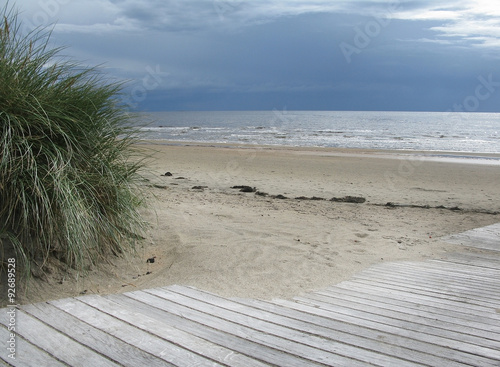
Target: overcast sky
(420, 55)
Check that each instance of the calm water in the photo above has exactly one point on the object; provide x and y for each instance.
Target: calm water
(432, 131)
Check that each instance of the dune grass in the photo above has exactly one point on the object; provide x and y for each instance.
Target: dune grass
(68, 174)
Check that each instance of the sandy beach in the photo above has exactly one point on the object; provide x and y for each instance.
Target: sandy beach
(287, 236)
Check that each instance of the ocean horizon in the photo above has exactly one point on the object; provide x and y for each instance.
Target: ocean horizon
(384, 130)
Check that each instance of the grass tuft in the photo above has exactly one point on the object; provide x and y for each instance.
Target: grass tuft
(68, 174)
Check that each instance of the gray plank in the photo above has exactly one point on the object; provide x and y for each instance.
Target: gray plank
(408, 350)
(434, 329)
(239, 326)
(56, 344)
(433, 297)
(466, 300)
(442, 292)
(132, 328)
(27, 355)
(336, 346)
(168, 331)
(402, 313)
(388, 326)
(438, 279)
(420, 319)
(471, 259)
(471, 271)
(404, 303)
(366, 329)
(483, 238)
(480, 254)
(487, 277)
(243, 342)
(90, 336)
(435, 293)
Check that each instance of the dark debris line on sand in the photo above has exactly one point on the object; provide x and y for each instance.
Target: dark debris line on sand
(345, 199)
(454, 208)
(245, 188)
(361, 200)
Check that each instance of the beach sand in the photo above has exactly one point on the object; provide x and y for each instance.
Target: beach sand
(242, 244)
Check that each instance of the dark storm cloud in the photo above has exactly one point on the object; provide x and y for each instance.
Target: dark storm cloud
(236, 54)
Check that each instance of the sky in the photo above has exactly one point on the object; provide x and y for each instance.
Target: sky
(416, 55)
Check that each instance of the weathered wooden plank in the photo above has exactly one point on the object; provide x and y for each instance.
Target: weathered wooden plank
(471, 270)
(483, 254)
(440, 280)
(413, 305)
(424, 318)
(437, 294)
(439, 266)
(385, 325)
(27, 355)
(437, 279)
(375, 331)
(286, 332)
(239, 327)
(434, 296)
(481, 242)
(258, 331)
(243, 342)
(165, 330)
(120, 323)
(484, 238)
(484, 356)
(435, 328)
(56, 344)
(486, 277)
(472, 259)
(375, 344)
(115, 349)
(474, 300)
(440, 294)
(427, 285)
(486, 256)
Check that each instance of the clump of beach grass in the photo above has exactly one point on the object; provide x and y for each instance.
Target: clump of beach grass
(69, 177)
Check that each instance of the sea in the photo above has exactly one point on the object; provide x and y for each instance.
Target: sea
(458, 132)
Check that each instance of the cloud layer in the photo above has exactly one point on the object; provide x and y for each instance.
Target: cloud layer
(237, 54)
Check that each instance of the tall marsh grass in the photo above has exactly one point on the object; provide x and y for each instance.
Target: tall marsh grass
(68, 175)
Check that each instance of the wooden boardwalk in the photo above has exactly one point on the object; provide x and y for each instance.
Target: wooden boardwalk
(443, 312)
